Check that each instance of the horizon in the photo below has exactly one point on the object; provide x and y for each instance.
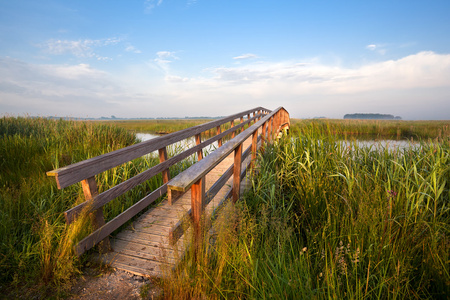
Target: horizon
(162, 59)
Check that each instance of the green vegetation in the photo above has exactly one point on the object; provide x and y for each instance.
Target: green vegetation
(322, 219)
(325, 220)
(374, 129)
(371, 116)
(35, 242)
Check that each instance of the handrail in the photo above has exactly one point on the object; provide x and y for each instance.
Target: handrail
(193, 178)
(85, 172)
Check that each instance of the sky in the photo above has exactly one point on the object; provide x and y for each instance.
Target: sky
(178, 58)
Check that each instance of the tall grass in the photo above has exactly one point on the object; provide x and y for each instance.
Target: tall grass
(327, 220)
(375, 129)
(35, 242)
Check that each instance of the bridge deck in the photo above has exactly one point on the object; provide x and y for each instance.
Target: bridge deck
(143, 248)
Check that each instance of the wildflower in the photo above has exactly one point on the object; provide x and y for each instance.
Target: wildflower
(304, 249)
(392, 193)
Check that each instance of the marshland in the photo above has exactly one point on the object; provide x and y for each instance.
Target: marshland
(325, 217)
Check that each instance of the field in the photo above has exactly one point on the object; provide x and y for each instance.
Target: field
(322, 220)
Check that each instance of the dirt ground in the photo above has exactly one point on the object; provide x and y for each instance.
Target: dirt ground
(113, 284)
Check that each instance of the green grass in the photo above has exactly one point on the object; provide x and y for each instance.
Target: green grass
(324, 220)
(36, 245)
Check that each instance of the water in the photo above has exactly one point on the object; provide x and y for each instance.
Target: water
(394, 145)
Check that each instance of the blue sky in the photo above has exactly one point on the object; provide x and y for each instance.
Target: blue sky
(162, 58)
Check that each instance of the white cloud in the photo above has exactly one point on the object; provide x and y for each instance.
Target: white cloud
(380, 49)
(149, 5)
(245, 56)
(164, 58)
(79, 48)
(132, 49)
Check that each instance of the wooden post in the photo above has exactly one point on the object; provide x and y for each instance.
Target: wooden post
(263, 135)
(162, 158)
(248, 118)
(219, 131)
(260, 114)
(242, 121)
(234, 133)
(98, 220)
(198, 140)
(197, 206)
(237, 172)
(254, 147)
(269, 130)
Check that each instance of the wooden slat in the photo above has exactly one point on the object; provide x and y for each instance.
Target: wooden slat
(135, 265)
(98, 235)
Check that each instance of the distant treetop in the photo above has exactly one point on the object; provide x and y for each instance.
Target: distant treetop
(372, 116)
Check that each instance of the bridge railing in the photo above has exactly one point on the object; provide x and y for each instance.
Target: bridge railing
(86, 171)
(262, 131)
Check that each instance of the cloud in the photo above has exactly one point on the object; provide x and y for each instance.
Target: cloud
(49, 89)
(415, 86)
(132, 49)
(149, 5)
(164, 58)
(245, 56)
(378, 48)
(79, 48)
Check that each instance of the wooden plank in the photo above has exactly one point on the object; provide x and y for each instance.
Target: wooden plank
(135, 265)
(74, 173)
(144, 251)
(98, 235)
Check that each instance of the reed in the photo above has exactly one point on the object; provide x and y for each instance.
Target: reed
(375, 129)
(324, 219)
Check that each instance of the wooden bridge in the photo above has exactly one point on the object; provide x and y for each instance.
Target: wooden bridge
(155, 241)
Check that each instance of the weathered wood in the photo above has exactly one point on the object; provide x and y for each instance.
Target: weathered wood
(136, 265)
(237, 172)
(101, 233)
